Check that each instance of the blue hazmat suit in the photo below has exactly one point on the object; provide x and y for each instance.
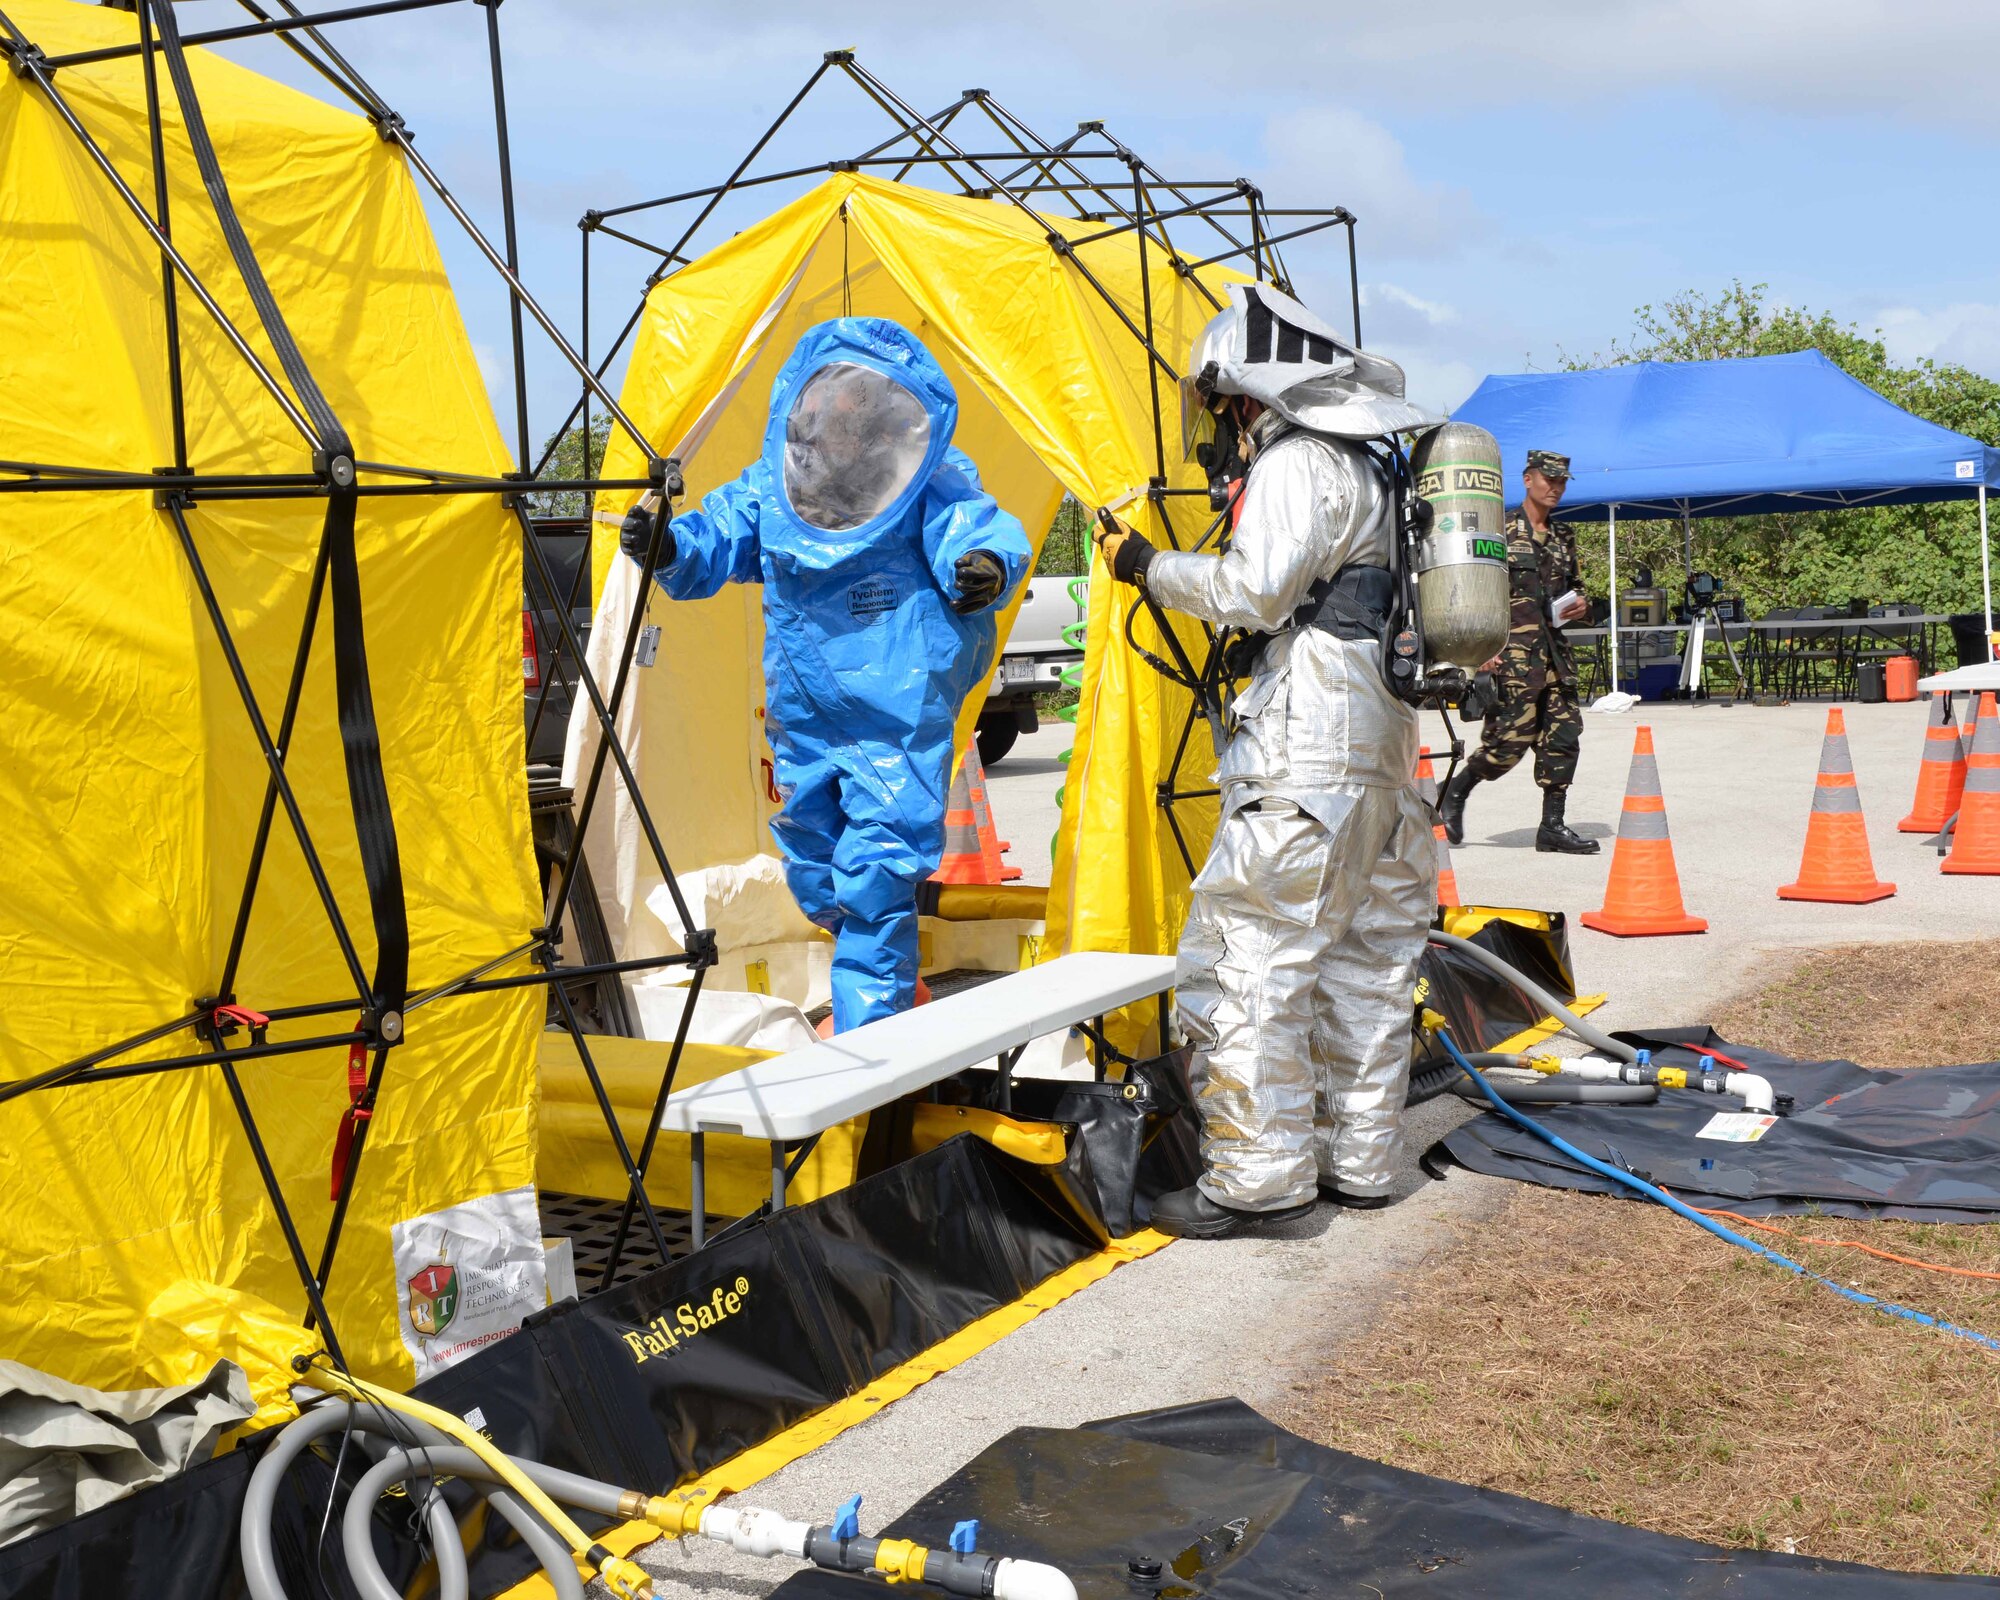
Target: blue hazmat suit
(855, 519)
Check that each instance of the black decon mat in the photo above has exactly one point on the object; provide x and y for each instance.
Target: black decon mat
(1919, 1145)
(1229, 1506)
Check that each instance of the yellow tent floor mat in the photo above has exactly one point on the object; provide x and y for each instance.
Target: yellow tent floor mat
(759, 1462)
(1548, 1027)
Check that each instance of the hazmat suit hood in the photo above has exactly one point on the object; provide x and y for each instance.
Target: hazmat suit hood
(861, 415)
(1269, 347)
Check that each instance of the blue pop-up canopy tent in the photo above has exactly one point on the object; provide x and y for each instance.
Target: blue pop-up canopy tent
(1683, 439)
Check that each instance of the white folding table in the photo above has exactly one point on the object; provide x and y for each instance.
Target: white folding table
(799, 1095)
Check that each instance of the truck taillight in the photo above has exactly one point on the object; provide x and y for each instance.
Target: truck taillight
(531, 655)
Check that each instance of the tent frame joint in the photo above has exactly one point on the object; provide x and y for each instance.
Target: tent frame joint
(704, 950)
(29, 61)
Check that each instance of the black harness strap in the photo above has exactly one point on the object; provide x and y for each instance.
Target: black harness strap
(361, 745)
(1355, 603)
(360, 738)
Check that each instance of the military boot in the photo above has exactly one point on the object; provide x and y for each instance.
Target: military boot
(1555, 836)
(1451, 804)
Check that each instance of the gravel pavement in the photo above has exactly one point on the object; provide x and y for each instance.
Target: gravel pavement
(1250, 1317)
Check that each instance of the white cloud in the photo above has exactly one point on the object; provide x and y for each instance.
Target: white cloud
(1330, 155)
(1927, 62)
(1402, 312)
(1431, 380)
(1924, 61)
(498, 372)
(1968, 334)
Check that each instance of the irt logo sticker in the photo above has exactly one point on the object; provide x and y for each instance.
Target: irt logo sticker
(434, 1299)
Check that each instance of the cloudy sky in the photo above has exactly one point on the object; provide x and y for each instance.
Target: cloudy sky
(1525, 175)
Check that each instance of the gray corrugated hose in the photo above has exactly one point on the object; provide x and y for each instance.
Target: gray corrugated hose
(412, 1451)
(1569, 1019)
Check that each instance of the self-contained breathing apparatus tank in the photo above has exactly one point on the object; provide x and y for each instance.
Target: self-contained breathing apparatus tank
(1464, 600)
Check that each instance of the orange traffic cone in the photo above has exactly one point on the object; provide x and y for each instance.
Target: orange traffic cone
(1643, 896)
(1427, 787)
(1836, 866)
(971, 843)
(1940, 775)
(990, 847)
(1975, 843)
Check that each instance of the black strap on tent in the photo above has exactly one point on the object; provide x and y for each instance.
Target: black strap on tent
(361, 744)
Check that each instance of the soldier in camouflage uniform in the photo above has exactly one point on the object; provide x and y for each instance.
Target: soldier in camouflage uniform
(1535, 673)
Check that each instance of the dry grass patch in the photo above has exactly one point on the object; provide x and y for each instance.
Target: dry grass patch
(1929, 1004)
(1601, 1354)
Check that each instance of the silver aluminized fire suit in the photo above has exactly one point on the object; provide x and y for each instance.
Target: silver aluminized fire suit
(1300, 952)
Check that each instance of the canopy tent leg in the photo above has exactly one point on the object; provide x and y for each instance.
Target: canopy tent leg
(1986, 570)
(635, 1185)
(315, 1300)
(1613, 687)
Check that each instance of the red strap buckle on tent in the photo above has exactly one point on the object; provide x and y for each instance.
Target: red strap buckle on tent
(255, 1021)
(355, 1114)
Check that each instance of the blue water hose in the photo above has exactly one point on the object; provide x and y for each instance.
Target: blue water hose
(1681, 1208)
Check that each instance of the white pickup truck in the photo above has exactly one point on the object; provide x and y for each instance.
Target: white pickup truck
(1032, 659)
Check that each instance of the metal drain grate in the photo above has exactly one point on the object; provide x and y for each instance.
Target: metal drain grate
(590, 1225)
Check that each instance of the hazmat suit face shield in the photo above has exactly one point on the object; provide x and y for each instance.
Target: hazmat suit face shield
(1211, 437)
(854, 440)
(1197, 420)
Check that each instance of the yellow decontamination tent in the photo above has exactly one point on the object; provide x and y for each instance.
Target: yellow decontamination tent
(1042, 340)
(138, 1237)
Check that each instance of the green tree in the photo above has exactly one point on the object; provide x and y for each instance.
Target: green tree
(571, 460)
(1925, 554)
(1066, 551)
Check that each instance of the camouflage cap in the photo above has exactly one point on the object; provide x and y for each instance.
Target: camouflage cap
(1549, 463)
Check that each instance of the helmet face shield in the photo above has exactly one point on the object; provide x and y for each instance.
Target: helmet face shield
(854, 440)
(1197, 420)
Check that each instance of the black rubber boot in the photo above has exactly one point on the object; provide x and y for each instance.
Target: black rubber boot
(1190, 1214)
(1451, 804)
(1334, 1195)
(1555, 836)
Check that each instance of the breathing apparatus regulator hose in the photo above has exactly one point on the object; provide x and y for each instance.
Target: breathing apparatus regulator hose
(416, 1444)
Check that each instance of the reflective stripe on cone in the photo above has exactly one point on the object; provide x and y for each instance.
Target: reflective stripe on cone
(1427, 789)
(971, 842)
